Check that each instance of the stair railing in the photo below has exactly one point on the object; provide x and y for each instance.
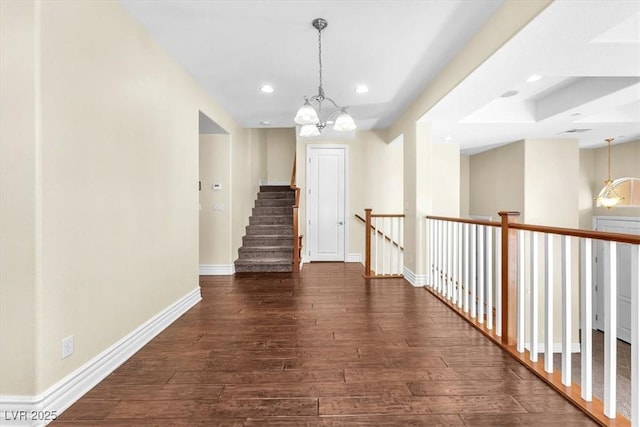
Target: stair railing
(384, 253)
(530, 288)
(297, 238)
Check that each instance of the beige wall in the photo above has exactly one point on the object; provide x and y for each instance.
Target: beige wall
(215, 230)
(551, 181)
(369, 184)
(281, 149)
(19, 179)
(496, 181)
(103, 177)
(464, 185)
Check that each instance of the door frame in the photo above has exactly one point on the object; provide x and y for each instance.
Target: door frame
(309, 148)
(598, 298)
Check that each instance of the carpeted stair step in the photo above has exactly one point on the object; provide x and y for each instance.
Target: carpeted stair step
(287, 195)
(271, 220)
(266, 265)
(275, 188)
(267, 240)
(268, 203)
(268, 211)
(269, 230)
(265, 252)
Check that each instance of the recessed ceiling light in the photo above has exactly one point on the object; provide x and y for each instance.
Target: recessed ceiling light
(267, 89)
(534, 78)
(509, 94)
(447, 138)
(265, 122)
(362, 89)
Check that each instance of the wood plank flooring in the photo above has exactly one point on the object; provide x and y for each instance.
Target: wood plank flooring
(320, 348)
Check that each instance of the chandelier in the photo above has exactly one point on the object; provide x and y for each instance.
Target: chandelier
(309, 117)
(608, 196)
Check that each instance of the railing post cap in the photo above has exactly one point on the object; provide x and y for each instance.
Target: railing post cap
(509, 213)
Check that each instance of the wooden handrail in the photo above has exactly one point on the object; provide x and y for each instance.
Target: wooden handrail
(574, 232)
(380, 233)
(466, 221)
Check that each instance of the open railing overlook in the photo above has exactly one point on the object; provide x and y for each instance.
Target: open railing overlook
(530, 289)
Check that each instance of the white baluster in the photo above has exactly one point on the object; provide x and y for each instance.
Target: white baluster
(566, 310)
(548, 306)
(489, 287)
(472, 273)
(610, 329)
(401, 243)
(454, 269)
(460, 278)
(398, 250)
(383, 243)
(533, 354)
(498, 282)
(586, 289)
(449, 253)
(635, 335)
(467, 269)
(431, 266)
(480, 262)
(520, 295)
(440, 242)
(375, 237)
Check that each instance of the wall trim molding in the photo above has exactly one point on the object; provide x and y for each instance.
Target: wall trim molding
(72, 387)
(217, 269)
(416, 280)
(354, 258)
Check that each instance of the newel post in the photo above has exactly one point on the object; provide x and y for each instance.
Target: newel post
(367, 243)
(509, 277)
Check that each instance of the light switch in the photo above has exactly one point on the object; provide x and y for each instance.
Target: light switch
(216, 186)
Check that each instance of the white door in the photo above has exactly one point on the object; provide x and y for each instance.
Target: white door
(622, 225)
(326, 203)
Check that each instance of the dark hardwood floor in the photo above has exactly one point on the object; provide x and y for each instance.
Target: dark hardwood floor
(323, 347)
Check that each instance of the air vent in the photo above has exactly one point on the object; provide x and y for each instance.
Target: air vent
(576, 130)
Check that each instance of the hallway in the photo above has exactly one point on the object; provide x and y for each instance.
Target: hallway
(324, 347)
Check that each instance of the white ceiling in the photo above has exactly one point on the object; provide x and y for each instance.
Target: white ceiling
(588, 53)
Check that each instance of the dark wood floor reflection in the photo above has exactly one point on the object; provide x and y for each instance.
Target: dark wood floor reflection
(324, 347)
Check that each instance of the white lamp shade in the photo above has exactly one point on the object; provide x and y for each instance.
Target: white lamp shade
(309, 130)
(306, 115)
(344, 123)
(609, 202)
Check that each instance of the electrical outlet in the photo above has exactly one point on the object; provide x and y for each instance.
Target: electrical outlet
(67, 346)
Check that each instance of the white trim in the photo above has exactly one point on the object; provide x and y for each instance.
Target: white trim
(557, 347)
(354, 258)
(69, 389)
(217, 269)
(416, 280)
(279, 183)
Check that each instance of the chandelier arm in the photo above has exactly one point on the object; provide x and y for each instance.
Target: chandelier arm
(336, 105)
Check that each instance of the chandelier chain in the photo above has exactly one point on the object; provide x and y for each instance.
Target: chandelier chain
(320, 90)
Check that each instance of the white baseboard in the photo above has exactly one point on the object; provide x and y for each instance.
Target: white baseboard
(416, 280)
(354, 258)
(217, 269)
(18, 410)
(287, 183)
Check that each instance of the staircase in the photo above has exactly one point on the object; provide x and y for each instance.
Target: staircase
(268, 244)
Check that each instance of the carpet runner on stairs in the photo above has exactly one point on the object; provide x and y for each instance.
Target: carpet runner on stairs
(268, 243)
